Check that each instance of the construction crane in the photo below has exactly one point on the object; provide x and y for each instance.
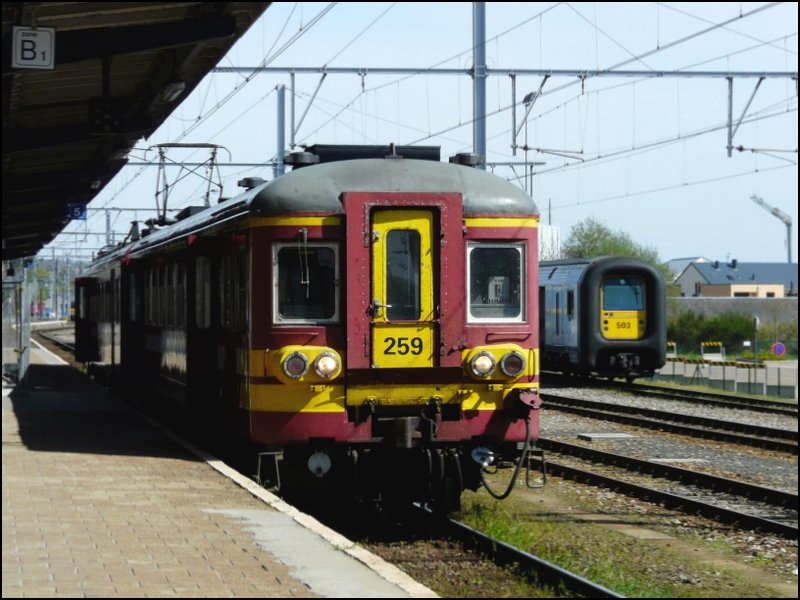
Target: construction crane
(787, 220)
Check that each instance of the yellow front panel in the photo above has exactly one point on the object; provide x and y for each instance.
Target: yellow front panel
(622, 302)
(623, 324)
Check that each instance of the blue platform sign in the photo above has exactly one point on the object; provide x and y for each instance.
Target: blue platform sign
(76, 211)
(778, 349)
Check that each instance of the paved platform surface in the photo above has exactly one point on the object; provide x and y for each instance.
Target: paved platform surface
(100, 502)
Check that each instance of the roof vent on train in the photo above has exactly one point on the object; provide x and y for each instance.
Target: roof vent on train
(298, 160)
(249, 182)
(334, 152)
(188, 212)
(468, 159)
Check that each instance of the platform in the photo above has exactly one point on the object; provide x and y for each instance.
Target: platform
(99, 501)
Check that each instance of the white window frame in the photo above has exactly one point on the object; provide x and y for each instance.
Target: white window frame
(276, 315)
(521, 248)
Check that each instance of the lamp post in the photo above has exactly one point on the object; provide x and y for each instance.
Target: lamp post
(755, 339)
(787, 220)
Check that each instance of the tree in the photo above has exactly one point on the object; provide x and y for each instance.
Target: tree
(591, 238)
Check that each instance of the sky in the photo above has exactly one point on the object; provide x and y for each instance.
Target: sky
(644, 155)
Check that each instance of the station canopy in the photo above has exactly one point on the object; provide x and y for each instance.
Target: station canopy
(82, 83)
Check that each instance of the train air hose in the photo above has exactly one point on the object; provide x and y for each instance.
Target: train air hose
(523, 458)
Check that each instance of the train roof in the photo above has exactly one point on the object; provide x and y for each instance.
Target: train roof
(579, 268)
(595, 260)
(319, 188)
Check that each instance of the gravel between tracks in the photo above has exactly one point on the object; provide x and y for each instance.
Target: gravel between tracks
(762, 467)
(758, 466)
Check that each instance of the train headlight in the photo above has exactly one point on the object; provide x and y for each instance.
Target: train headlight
(512, 364)
(327, 365)
(483, 364)
(295, 365)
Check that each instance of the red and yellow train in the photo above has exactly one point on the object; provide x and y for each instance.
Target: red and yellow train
(367, 322)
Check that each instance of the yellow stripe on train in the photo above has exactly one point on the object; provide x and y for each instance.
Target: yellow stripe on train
(306, 398)
(495, 222)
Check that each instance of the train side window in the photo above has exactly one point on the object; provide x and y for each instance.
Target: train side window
(148, 297)
(558, 313)
(170, 298)
(180, 295)
(82, 300)
(202, 292)
(160, 293)
(570, 304)
(305, 283)
(117, 297)
(133, 312)
(224, 286)
(234, 284)
(496, 276)
(242, 285)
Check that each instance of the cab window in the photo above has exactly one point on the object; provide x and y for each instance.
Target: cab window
(496, 276)
(305, 283)
(623, 293)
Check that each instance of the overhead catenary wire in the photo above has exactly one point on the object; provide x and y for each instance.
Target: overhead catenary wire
(362, 108)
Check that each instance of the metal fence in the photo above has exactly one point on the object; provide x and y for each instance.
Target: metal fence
(773, 378)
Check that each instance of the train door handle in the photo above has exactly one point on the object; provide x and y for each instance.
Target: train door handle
(376, 306)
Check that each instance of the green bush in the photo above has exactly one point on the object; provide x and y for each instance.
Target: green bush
(688, 329)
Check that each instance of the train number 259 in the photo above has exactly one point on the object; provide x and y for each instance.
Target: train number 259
(403, 345)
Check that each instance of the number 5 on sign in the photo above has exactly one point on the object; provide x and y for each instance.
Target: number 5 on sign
(34, 48)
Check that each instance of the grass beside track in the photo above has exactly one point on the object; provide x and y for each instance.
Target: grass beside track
(622, 562)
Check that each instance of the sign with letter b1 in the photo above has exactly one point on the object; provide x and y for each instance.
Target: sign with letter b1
(33, 48)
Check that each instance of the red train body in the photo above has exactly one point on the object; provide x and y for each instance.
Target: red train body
(367, 323)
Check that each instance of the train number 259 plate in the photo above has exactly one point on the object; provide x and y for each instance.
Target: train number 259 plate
(402, 346)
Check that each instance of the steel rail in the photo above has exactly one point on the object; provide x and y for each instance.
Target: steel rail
(673, 501)
(782, 440)
(751, 491)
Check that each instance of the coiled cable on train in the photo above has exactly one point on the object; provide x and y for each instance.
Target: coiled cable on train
(523, 458)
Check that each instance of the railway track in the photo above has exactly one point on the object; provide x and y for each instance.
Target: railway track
(475, 564)
(726, 400)
(542, 571)
(736, 432)
(60, 336)
(677, 393)
(767, 499)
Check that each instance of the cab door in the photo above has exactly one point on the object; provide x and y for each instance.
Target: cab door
(404, 281)
(402, 309)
